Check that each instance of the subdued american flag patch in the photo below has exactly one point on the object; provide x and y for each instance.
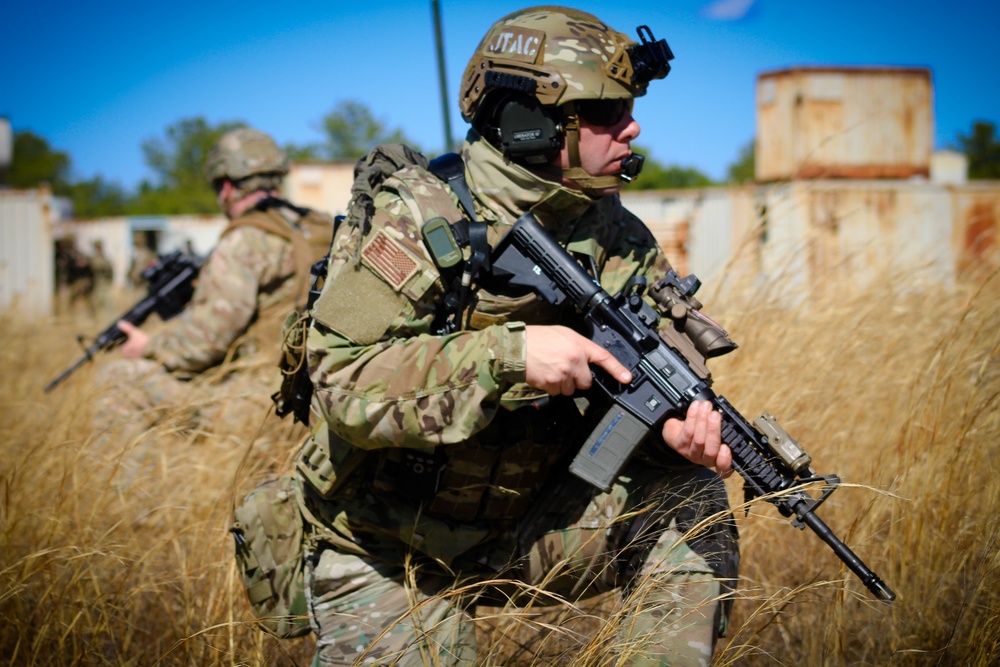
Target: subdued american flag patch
(389, 259)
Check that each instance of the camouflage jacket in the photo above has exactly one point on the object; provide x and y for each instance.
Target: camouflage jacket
(246, 275)
(101, 269)
(426, 444)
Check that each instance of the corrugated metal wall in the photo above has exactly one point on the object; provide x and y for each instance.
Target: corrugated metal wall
(699, 230)
(812, 234)
(976, 232)
(669, 214)
(27, 273)
(805, 232)
(859, 232)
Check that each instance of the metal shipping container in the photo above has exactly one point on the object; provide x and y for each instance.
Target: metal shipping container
(27, 274)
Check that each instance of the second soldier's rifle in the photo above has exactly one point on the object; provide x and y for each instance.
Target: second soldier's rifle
(171, 284)
(668, 373)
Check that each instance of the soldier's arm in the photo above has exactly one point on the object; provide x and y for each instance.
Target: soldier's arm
(221, 309)
(381, 379)
(418, 391)
(136, 340)
(559, 360)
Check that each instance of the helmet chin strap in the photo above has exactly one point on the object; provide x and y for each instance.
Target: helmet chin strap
(593, 185)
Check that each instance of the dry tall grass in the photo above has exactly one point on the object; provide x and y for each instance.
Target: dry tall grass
(895, 389)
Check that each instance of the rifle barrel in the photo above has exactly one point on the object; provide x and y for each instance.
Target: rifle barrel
(871, 580)
(171, 287)
(69, 371)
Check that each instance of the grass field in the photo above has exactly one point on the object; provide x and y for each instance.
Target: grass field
(894, 389)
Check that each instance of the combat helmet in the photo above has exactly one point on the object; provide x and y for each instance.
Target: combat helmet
(538, 69)
(245, 152)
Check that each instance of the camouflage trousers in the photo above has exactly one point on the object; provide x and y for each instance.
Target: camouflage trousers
(664, 545)
(136, 401)
(133, 394)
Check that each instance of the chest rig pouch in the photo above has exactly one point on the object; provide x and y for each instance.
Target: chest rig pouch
(494, 474)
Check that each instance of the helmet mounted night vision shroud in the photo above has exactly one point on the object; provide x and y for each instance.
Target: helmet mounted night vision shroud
(650, 58)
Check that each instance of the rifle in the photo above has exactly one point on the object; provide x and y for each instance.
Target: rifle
(171, 284)
(668, 373)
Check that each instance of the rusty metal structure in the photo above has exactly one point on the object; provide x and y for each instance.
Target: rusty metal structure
(848, 191)
(324, 186)
(847, 185)
(844, 122)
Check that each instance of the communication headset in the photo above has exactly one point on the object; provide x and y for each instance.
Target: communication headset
(515, 121)
(528, 132)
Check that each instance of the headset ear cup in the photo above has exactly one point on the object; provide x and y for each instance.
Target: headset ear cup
(529, 132)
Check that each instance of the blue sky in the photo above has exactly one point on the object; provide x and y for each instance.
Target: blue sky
(97, 78)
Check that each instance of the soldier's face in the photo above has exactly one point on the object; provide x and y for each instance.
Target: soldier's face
(602, 147)
(224, 195)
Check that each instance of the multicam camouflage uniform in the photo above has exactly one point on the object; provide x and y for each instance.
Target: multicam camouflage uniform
(103, 274)
(436, 475)
(247, 277)
(436, 456)
(255, 275)
(247, 280)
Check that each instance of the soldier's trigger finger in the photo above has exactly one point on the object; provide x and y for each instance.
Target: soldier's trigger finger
(609, 363)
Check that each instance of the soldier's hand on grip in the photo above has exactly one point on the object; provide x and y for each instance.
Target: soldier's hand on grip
(558, 360)
(135, 345)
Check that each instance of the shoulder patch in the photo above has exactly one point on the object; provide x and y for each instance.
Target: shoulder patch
(389, 259)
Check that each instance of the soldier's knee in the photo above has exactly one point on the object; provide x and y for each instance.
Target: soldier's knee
(675, 624)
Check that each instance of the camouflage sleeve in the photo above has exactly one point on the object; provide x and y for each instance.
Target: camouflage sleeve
(644, 251)
(414, 392)
(631, 251)
(221, 309)
(381, 379)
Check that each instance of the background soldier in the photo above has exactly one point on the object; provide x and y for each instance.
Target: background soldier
(253, 277)
(443, 458)
(142, 258)
(73, 276)
(102, 276)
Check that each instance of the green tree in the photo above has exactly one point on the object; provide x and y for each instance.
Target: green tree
(656, 176)
(96, 198)
(352, 130)
(743, 170)
(303, 153)
(983, 150)
(178, 162)
(34, 162)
